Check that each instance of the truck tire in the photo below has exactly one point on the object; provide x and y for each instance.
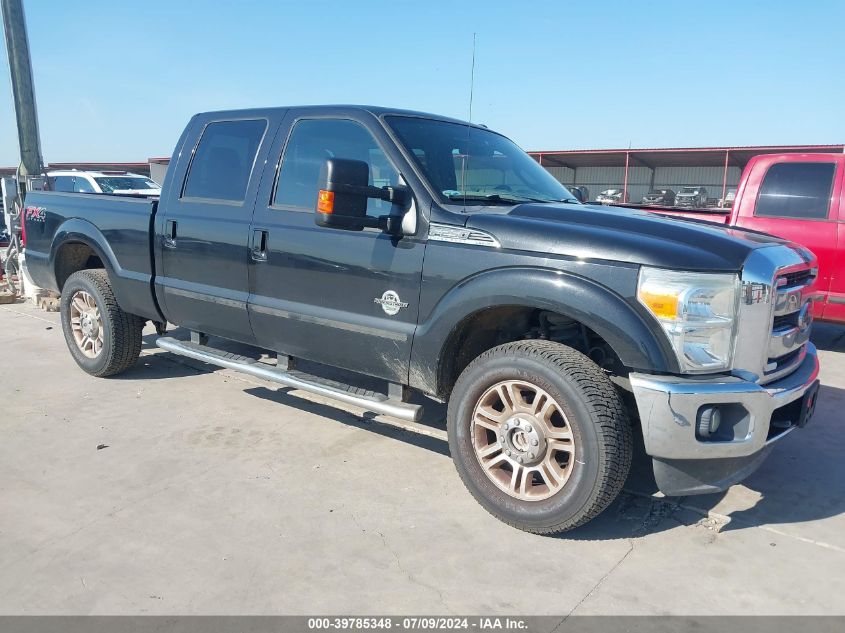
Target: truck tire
(539, 436)
(102, 338)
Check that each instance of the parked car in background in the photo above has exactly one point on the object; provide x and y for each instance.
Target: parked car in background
(116, 182)
(691, 197)
(612, 196)
(798, 197)
(728, 201)
(580, 192)
(664, 197)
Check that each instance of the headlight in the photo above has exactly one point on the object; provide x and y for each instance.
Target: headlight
(697, 311)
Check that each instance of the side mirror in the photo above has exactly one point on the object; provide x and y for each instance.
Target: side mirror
(342, 199)
(343, 194)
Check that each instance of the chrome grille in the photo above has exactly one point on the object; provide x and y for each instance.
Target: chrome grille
(797, 277)
(785, 320)
(791, 322)
(772, 332)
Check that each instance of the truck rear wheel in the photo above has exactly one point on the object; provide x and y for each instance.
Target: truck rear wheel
(102, 338)
(539, 436)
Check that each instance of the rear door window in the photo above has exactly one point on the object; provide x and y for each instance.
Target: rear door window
(61, 183)
(796, 190)
(223, 160)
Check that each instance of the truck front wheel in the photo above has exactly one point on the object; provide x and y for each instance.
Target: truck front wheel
(539, 435)
(103, 339)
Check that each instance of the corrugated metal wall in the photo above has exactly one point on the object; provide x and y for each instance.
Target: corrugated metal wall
(709, 177)
(597, 179)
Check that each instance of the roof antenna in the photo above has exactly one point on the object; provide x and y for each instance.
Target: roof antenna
(472, 78)
(469, 123)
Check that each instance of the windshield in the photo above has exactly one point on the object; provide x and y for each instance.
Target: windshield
(692, 190)
(111, 184)
(469, 165)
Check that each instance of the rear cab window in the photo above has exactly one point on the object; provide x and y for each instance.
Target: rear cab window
(223, 160)
(796, 190)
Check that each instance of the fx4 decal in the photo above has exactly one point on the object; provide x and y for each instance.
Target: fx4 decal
(35, 214)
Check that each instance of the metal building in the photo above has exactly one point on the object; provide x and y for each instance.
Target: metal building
(636, 171)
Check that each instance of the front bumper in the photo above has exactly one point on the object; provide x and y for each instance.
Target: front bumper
(753, 417)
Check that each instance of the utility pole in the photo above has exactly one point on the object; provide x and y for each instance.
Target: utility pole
(31, 170)
(23, 90)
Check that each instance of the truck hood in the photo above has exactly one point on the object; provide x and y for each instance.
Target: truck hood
(622, 235)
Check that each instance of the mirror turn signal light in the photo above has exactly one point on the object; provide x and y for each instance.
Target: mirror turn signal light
(325, 201)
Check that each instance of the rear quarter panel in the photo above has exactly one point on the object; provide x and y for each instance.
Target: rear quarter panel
(116, 228)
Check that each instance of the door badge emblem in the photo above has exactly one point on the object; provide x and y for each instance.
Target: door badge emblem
(390, 302)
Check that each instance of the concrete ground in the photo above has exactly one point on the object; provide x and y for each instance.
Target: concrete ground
(178, 489)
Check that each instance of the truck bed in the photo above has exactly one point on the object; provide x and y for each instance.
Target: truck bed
(116, 229)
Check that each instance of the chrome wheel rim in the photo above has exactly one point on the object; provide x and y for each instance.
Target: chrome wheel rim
(523, 440)
(86, 324)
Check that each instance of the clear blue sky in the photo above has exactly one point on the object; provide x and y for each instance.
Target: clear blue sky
(118, 80)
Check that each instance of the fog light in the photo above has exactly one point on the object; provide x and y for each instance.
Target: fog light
(709, 419)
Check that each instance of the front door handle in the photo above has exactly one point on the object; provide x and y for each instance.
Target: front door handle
(170, 234)
(258, 245)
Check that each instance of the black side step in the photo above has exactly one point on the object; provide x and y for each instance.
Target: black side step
(369, 400)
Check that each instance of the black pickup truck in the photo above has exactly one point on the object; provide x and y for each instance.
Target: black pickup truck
(436, 255)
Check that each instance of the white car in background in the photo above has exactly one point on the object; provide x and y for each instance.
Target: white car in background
(113, 182)
(612, 196)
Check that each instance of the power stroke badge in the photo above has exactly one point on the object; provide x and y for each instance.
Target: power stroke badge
(390, 302)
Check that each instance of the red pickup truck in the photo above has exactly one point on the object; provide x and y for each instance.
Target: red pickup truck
(798, 197)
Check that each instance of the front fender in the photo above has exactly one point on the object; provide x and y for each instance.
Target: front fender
(638, 344)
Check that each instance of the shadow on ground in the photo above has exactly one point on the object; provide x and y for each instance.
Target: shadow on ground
(803, 480)
(829, 337)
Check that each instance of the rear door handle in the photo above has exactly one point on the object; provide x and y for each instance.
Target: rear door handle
(258, 245)
(170, 234)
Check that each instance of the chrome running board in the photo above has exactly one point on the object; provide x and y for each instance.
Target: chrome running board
(369, 400)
